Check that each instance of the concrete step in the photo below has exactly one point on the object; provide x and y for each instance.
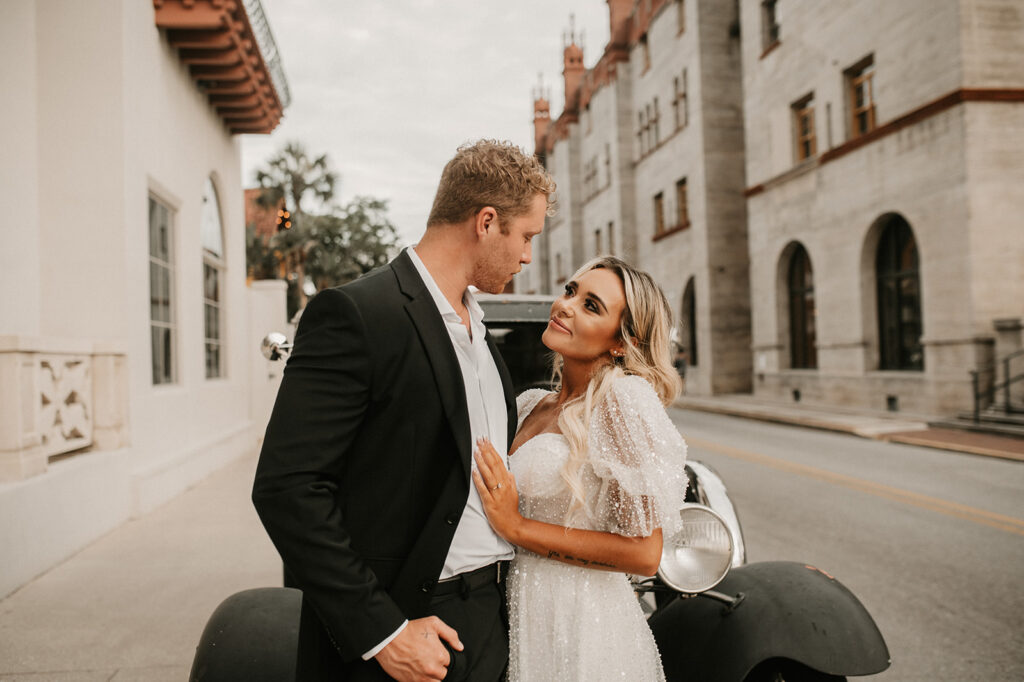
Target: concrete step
(997, 426)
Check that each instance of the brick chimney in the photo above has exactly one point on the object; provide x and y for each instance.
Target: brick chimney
(541, 118)
(572, 69)
(618, 21)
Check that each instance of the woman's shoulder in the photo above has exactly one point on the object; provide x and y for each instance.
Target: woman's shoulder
(529, 398)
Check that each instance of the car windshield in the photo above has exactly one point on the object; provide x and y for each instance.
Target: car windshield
(516, 322)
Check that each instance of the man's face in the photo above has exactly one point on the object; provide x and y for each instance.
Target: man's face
(505, 254)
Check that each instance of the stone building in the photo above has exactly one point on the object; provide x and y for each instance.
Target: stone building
(128, 335)
(827, 192)
(648, 156)
(884, 161)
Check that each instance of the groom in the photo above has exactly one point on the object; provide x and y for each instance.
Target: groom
(364, 480)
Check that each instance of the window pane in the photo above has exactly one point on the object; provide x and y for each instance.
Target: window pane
(210, 224)
(157, 353)
(154, 291)
(164, 302)
(212, 360)
(154, 230)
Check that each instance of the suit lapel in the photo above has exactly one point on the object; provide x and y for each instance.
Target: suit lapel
(438, 347)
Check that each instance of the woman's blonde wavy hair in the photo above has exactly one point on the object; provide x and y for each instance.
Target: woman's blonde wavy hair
(644, 330)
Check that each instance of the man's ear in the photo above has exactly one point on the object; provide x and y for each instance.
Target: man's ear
(486, 220)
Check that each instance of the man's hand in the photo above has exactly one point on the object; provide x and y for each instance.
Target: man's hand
(417, 653)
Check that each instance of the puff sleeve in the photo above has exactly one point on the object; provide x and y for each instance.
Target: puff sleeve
(526, 401)
(638, 457)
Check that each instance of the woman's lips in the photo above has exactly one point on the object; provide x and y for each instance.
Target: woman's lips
(558, 325)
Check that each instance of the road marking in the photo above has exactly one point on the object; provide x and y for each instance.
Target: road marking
(961, 511)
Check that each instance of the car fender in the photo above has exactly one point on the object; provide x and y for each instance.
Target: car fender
(253, 635)
(789, 610)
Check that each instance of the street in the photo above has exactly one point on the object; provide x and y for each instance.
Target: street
(932, 542)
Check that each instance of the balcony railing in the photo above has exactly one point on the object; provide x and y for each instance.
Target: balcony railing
(268, 48)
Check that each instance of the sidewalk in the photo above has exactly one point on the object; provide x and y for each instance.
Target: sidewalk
(132, 605)
(880, 426)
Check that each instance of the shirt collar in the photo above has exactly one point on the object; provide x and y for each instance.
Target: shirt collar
(476, 313)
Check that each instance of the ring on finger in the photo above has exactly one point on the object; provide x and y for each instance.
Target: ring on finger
(496, 487)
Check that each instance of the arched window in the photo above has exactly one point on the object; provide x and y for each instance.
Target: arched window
(899, 297)
(803, 354)
(690, 322)
(212, 237)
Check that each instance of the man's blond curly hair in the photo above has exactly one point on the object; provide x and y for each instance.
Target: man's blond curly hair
(490, 173)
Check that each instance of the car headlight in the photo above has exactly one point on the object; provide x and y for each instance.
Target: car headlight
(698, 555)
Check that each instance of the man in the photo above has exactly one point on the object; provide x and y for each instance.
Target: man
(364, 478)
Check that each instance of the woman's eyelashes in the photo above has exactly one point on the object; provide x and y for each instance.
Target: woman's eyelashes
(588, 303)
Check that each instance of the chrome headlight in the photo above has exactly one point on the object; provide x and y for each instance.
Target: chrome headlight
(699, 554)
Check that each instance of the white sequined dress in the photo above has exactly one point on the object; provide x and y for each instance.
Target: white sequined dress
(575, 623)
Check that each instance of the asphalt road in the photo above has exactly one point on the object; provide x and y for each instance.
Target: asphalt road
(932, 542)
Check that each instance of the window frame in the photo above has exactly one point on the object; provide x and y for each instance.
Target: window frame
(861, 74)
(682, 204)
(215, 264)
(806, 144)
(164, 355)
(770, 28)
(689, 318)
(898, 291)
(659, 214)
(803, 336)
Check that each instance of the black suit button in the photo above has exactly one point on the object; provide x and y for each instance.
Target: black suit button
(427, 585)
(452, 519)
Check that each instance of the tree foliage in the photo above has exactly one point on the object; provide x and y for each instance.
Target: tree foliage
(328, 244)
(349, 242)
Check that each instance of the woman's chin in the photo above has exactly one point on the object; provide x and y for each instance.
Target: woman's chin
(545, 338)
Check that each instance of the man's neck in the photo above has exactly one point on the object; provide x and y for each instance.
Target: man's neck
(446, 271)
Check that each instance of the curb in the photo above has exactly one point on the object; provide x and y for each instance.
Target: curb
(898, 433)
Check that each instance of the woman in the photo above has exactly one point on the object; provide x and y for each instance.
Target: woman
(599, 469)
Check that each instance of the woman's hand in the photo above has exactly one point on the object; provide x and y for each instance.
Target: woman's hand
(497, 488)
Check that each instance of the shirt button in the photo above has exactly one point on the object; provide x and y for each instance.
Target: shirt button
(452, 518)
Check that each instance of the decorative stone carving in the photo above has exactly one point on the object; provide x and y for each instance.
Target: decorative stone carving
(65, 403)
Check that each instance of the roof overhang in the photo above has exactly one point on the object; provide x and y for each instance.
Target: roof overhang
(232, 56)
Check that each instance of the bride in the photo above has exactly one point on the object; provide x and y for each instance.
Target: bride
(596, 481)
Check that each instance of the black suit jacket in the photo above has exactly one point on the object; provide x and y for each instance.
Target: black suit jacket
(365, 467)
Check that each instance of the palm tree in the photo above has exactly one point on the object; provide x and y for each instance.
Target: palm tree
(292, 175)
(298, 179)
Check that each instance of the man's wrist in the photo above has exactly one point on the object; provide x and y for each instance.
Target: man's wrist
(380, 647)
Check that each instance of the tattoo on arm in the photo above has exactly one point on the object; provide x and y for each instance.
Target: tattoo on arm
(552, 554)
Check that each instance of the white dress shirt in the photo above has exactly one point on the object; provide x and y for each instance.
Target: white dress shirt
(475, 544)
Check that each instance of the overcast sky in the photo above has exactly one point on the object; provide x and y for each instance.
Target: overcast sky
(389, 89)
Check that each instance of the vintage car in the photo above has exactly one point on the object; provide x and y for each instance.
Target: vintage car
(715, 617)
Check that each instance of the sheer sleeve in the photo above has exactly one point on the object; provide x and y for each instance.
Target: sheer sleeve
(526, 401)
(638, 456)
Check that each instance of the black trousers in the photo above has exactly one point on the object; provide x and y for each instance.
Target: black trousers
(480, 616)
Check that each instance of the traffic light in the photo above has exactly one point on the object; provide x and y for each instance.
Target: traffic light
(284, 220)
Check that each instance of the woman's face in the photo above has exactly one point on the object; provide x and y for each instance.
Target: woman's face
(584, 323)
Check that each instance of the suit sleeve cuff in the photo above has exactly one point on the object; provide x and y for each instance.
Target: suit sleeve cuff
(377, 649)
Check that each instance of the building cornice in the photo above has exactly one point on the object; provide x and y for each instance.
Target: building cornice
(232, 56)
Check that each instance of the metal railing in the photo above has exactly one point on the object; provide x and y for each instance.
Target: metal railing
(987, 395)
(268, 49)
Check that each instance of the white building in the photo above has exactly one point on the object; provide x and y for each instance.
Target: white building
(127, 330)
